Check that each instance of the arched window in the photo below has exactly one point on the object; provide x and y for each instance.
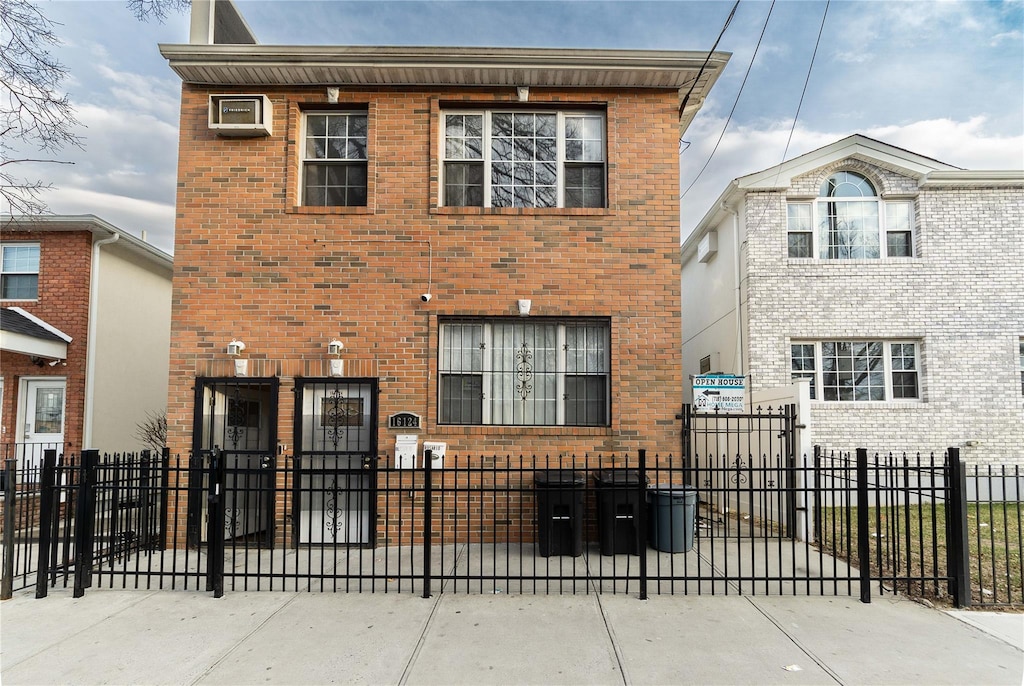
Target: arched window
(848, 221)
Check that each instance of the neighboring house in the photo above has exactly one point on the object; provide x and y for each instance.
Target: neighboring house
(471, 246)
(85, 319)
(892, 282)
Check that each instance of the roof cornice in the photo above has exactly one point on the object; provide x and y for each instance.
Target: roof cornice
(87, 222)
(974, 178)
(348, 66)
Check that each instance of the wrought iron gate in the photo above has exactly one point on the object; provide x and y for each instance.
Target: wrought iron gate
(748, 463)
(335, 461)
(235, 438)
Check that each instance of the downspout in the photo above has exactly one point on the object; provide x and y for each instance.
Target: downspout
(90, 355)
(738, 359)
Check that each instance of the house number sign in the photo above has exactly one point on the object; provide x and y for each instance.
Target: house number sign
(404, 420)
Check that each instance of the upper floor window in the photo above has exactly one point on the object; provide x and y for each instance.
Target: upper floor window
(849, 221)
(1022, 366)
(334, 159)
(500, 371)
(858, 370)
(19, 277)
(524, 159)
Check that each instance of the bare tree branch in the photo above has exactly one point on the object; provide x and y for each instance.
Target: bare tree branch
(145, 10)
(33, 110)
(153, 431)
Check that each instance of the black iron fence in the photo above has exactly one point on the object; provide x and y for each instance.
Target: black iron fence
(831, 524)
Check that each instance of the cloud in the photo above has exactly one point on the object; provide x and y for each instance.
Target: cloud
(130, 214)
(970, 144)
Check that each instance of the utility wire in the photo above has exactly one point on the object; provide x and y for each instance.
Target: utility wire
(734, 104)
(807, 80)
(810, 68)
(728, 20)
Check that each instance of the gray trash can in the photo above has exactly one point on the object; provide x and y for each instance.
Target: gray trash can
(672, 512)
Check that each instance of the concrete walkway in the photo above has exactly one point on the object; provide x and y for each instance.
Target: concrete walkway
(177, 637)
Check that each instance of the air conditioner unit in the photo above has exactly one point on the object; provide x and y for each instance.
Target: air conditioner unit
(244, 116)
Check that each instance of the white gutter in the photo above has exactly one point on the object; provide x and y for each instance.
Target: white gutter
(90, 364)
(738, 359)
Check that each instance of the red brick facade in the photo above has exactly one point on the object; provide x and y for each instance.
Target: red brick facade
(65, 262)
(250, 263)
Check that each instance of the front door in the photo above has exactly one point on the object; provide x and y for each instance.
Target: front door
(336, 441)
(42, 410)
(236, 422)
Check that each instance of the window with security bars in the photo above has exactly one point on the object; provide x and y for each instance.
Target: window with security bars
(857, 371)
(334, 159)
(512, 372)
(524, 159)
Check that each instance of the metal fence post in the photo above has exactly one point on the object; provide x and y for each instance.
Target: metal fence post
(642, 522)
(428, 514)
(46, 481)
(10, 491)
(817, 494)
(215, 525)
(957, 546)
(85, 516)
(863, 535)
(165, 462)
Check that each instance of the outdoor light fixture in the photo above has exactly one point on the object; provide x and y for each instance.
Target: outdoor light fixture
(235, 347)
(524, 308)
(335, 347)
(332, 95)
(523, 92)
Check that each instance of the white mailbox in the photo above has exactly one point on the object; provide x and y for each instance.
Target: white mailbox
(437, 454)
(406, 447)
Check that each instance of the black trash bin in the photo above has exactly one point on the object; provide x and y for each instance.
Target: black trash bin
(618, 511)
(559, 512)
(671, 511)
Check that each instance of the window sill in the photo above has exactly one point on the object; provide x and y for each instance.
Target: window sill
(305, 209)
(465, 430)
(524, 211)
(859, 261)
(870, 404)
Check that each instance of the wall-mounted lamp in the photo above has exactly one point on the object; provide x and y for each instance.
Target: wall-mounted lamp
(523, 92)
(332, 95)
(235, 347)
(524, 308)
(335, 347)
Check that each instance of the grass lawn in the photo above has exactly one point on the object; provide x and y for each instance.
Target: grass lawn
(909, 542)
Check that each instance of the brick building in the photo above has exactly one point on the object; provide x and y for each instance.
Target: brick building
(378, 248)
(890, 281)
(84, 333)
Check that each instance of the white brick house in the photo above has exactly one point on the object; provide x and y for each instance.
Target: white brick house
(893, 282)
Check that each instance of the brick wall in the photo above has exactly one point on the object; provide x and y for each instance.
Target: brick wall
(284, 279)
(960, 297)
(65, 260)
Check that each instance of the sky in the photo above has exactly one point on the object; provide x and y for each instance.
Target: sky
(944, 79)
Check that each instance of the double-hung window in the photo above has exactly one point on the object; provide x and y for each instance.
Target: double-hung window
(849, 221)
(19, 277)
(499, 371)
(524, 159)
(334, 159)
(857, 371)
(1022, 366)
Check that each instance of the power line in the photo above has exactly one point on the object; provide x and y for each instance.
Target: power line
(796, 116)
(734, 104)
(700, 73)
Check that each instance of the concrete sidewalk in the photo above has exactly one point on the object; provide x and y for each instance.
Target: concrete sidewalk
(178, 637)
